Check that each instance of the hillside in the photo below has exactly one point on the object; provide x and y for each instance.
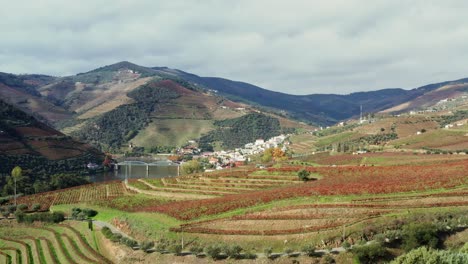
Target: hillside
(322, 109)
(110, 106)
(124, 103)
(261, 215)
(445, 96)
(38, 148)
(21, 91)
(437, 132)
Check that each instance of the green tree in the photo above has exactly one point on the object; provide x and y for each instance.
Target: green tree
(370, 253)
(420, 234)
(192, 166)
(16, 173)
(303, 175)
(267, 157)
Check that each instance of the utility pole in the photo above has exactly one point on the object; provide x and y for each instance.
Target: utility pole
(360, 117)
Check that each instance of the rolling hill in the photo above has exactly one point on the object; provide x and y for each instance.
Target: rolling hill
(44, 154)
(114, 105)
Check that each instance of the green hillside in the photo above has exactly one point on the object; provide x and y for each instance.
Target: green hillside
(237, 132)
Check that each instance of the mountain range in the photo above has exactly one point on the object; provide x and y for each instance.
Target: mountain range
(114, 105)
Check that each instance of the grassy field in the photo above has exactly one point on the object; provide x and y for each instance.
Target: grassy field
(444, 139)
(161, 132)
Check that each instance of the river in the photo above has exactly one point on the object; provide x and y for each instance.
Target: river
(134, 170)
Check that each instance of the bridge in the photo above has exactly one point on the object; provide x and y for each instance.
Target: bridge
(128, 164)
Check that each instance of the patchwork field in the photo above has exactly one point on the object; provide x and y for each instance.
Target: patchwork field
(380, 159)
(254, 208)
(49, 244)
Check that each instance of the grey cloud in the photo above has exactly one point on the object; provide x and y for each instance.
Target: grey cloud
(300, 47)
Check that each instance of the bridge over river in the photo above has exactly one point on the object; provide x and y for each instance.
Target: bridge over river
(155, 169)
(128, 169)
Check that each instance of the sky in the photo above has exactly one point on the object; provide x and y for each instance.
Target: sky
(297, 47)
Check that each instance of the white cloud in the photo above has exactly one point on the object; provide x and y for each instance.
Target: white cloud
(299, 47)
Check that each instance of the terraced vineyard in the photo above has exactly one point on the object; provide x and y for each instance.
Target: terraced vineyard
(80, 194)
(54, 244)
(304, 218)
(209, 185)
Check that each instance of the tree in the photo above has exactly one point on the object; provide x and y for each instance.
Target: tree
(303, 175)
(16, 173)
(370, 253)
(420, 234)
(278, 154)
(192, 166)
(266, 157)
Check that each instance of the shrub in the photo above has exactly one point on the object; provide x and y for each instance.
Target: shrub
(36, 207)
(176, 249)
(106, 232)
(393, 235)
(115, 237)
(196, 249)
(369, 253)
(464, 249)
(420, 234)
(83, 214)
(431, 256)
(303, 175)
(58, 217)
(380, 238)
(90, 212)
(346, 245)
(11, 208)
(147, 245)
(250, 255)
(22, 207)
(55, 217)
(213, 251)
(20, 217)
(234, 251)
(309, 250)
(128, 242)
(327, 259)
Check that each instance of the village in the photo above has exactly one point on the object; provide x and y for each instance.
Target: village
(221, 159)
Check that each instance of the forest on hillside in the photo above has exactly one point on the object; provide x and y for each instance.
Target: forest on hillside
(114, 128)
(239, 131)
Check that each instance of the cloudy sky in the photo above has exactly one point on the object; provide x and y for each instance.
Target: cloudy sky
(299, 47)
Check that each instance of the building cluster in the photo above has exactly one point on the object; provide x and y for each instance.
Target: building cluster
(239, 156)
